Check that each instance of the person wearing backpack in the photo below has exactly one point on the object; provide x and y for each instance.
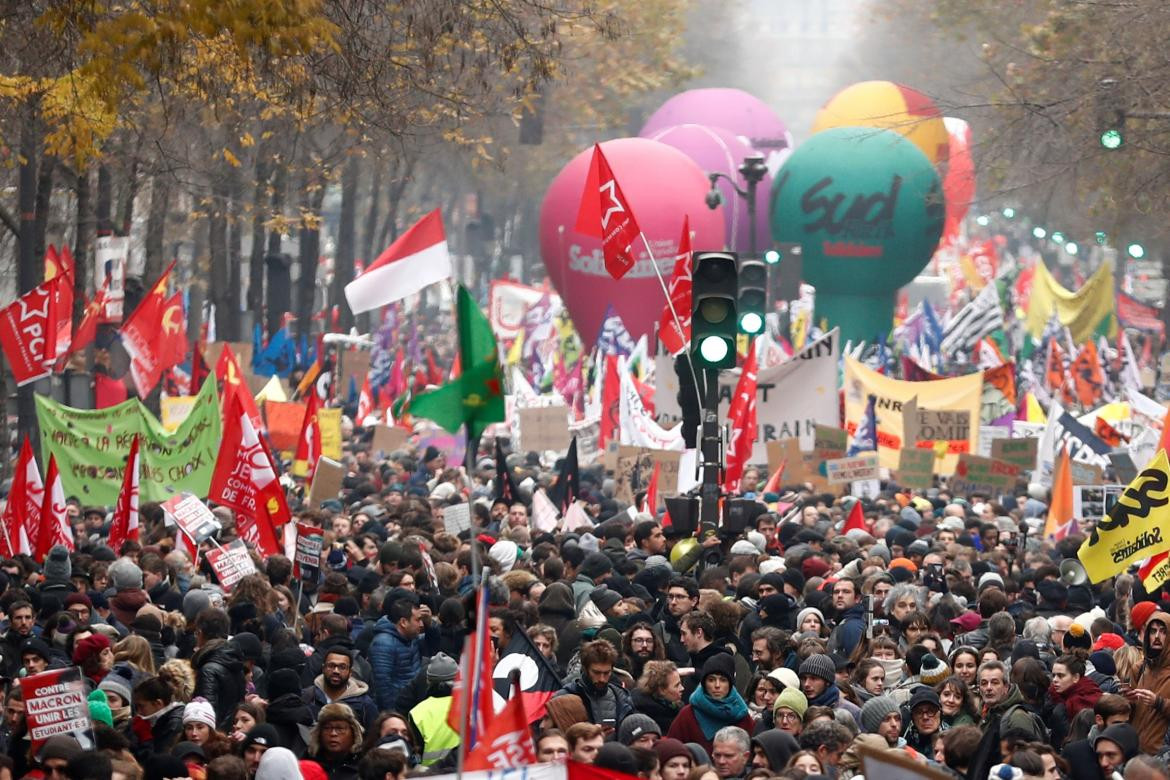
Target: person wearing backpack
(1005, 715)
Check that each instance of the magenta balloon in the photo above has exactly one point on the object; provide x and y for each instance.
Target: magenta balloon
(662, 185)
(741, 113)
(715, 149)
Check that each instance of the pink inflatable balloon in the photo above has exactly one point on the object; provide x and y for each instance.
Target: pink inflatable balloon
(662, 185)
(715, 149)
(733, 109)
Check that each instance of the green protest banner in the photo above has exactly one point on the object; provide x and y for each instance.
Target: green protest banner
(91, 447)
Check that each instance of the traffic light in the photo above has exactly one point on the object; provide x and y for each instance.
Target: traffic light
(753, 296)
(1110, 114)
(713, 309)
(1136, 251)
(772, 256)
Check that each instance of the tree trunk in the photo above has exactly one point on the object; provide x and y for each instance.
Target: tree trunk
(231, 320)
(126, 212)
(343, 260)
(370, 229)
(156, 226)
(275, 300)
(44, 201)
(256, 260)
(219, 271)
(105, 201)
(29, 271)
(82, 244)
(309, 241)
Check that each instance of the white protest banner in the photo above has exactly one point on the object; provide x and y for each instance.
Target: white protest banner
(544, 513)
(1063, 430)
(231, 563)
(988, 434)
(865, 488)
(307, 554)
(588, 435)
(110, 256)
(638, 428)
(791, 397)
(192, 516)
(457, 518)
(854, 469)
(55, 704)
(508, 302)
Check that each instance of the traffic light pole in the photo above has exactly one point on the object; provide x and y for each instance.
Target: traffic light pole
(711, 449)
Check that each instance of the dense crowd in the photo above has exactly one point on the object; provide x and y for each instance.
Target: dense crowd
(945, 633)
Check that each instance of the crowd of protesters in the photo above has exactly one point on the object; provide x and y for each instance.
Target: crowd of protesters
(945, 633)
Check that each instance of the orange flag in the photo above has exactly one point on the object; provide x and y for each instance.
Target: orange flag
(1060, 510)
(1088, 378)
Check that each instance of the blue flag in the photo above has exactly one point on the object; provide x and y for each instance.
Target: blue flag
(865, 438)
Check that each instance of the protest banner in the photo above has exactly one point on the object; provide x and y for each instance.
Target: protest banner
(1134, 528)
(1085, 474)
(283, 420)
(508, 302)
(1065, 431)
(55, 704)
(192, 516)
(388, 438)
(956, 394)
(457, 518)
(175, 409)
(1019, 452)
(989, 434)
(110, 256)
(896, 765)
(453, 445)
(231, 563)
(865, 488)
(588, 435)
(1123, 467)
(91, 446)
(355, 364)
(307, 553)
(934, 426)
(327, 479)
(852, 469)
(544, 428)
(915, 468)
(330, 421)
(634, 466)
(1027, 430)
(983, 476)
(1092, 502)
(791, 397)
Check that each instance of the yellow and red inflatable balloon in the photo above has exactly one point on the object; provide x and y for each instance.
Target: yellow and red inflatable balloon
(889, 106)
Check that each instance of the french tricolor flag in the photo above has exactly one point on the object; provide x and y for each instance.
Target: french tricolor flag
(417, 259)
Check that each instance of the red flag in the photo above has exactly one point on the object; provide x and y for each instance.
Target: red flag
(773, 485)
(396, 385)
(856, 519)
(28, 332)
(309, 443)
(1088, 378)
(365, 405)
(54, 526)
(1108, 434)
(22, 514)
(680, 295)
(610, 402)
(434, 374)
(651, 505)
(199, 369)
(742, 416)
(1164, 440)
(62, 313)
(507, 741)
(125, 524)
(245, 479)
(481, 709)
(87, 328)
(231, 379)
(605, 213)
(148, 333)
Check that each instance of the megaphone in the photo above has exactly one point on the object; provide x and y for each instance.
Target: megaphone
(1072, 572)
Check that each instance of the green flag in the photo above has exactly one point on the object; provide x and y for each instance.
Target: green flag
(476, 396)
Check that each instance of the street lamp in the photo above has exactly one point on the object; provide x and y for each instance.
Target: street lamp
(753, 171)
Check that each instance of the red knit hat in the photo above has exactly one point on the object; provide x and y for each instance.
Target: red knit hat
(1108, 641)
(90, 646)
(1141, 613)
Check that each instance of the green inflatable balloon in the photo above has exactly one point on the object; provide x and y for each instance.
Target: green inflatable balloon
(866, 207)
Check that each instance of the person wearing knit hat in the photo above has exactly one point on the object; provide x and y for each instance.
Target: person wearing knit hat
(1077, 638)
(814, 567)
(58, 570)
(198, 721)
(118, 683)
(934, 670)
(674, 760)
(95, 656)
(784, 678)
(505, 553)
(1141, 613)
(713, 705)
(1103, 667)
(56, 754)
(638, 730)
(35, 655)
(616, 758)
(125, 575)
(605, 599)
(788, 711)
(99, 708)
(816, 626)
(881, 715)
(819, 666)
(925, 719)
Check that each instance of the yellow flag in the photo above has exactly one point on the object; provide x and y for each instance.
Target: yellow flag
(1135, 527)
(273, 391)
(516, 351)
(1035, 412)
(1082, 311)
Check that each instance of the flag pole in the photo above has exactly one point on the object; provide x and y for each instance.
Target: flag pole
(469, 685)
(670, 304)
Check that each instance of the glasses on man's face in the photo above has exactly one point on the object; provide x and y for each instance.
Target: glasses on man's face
(787, 717)
(335, 728)
(677, 597)
(644, 641)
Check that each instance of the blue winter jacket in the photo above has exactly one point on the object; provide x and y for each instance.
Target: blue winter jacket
(395, 662)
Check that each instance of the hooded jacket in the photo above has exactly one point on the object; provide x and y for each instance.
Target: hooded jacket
(1151, 721)
(594, 701)
(316, 662)
(292, 719)
(126, 603)
(219, 677)
(1007, 716)
(778, 746)
(849, 631)
(356, 695)
(557, 608)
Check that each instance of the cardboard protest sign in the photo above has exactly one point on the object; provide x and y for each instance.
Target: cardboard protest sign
(895, 765)
(284, 420)
(175, 409)
(1018, 452)
(984, 476)
(389, 438)
(915, 468)
(192, 516)
(55, 704)
(634, 467)
(910, 421)
(989, 434)
(791, 397)
(854, 469)
(330, 422)
(829, 443)
(307, 553)
(544, 428)
(231, 563)
(457, 518)
(355, 364)
(955, 394)
(91, 447)
(327, 480)
(1085, 474)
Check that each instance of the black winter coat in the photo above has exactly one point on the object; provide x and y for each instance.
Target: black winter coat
(219, 678)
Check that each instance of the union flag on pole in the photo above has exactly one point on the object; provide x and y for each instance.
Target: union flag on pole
(605, 213)
(231, 382)
(365, 405)
(245, 480)
(149, 333)
(28, 331)
(55, 528)
(674, 339)
(22, 513)
(742, 416)
(309, 443)
(87, 328)
(125, 525)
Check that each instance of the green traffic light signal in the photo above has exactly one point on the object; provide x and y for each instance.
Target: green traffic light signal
(1136, 251)
(771, 257)
(1112, 139)
(714, 288)
(752, 296)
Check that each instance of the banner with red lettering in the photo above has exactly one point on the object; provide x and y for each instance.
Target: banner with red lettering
(54, 704)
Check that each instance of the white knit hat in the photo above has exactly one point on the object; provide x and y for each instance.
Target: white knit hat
(199, 711)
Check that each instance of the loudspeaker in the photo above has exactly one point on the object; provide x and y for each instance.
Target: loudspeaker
(739, 514)
(684, 514)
